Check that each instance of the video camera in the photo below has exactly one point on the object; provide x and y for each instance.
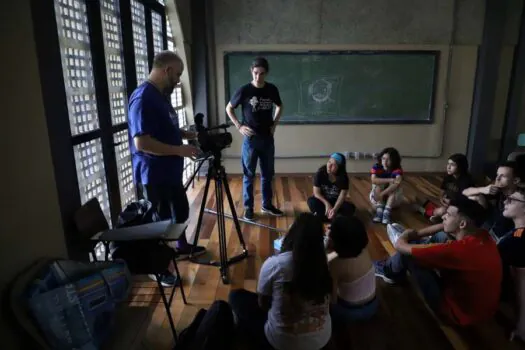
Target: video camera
(213, 143)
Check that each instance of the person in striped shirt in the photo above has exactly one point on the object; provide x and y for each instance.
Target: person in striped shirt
(386, 176)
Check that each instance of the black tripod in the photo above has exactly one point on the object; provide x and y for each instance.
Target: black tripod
(217, 172)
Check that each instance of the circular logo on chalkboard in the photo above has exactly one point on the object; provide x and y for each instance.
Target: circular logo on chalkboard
(320, 90)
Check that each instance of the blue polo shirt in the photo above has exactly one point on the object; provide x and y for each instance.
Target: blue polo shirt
(151, 113)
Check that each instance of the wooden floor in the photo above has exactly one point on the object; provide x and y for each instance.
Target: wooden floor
(403, 321)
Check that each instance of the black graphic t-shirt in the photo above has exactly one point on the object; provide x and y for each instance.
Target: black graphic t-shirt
(257, 106)
(454, 186)
(330, 190)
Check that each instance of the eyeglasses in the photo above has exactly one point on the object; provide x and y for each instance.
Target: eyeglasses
(510, 199)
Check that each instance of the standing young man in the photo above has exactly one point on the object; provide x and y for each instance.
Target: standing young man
(258, 126)
(157, 151)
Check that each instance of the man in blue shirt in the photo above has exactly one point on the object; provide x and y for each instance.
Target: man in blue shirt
(156, 146)
(258, 126)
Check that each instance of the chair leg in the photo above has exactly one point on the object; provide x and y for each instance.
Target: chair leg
(94, 255)
(167, 307)
(180, 279)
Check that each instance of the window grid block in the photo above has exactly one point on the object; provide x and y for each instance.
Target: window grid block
(176, 97)
(72, 20)
(171, 40)
(118, 107)
(139, 40)
(183, 121)
(125, 171)
(156, 24)
(114, 60)
(116, 71)
(91, 174)
(77, 65)
(83, 113)
(111, 24)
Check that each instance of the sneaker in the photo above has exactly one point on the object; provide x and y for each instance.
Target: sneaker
(378, 217)
(167, 279)
(379, 267)
(248, 214)
(270, 209)
(394, 231)
(184, 251)
(386, 217)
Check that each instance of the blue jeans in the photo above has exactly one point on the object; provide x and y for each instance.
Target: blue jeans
(258, 148)
(342, 312)
(427, 280)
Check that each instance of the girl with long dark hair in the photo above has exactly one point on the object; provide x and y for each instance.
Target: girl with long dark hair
(386, 176)
(456, 180)
(291, 307)
(331, 185)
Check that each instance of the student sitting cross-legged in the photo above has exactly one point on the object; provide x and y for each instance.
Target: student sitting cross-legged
(466, 287)
(354, 291)
(386, 176)
(456, 180)
(291, 308)
(331, 185)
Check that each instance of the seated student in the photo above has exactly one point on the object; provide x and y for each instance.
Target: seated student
(353, 274)
(455, 182)
(330, 188)
(492, 196)
(512, 245)
(386, 176)
(466, 288)
(291, 307)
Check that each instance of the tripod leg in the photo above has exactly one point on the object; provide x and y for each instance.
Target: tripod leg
(201, 212)
(223, 253)
(232, 208)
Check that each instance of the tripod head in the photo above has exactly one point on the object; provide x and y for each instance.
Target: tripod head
(213, 143)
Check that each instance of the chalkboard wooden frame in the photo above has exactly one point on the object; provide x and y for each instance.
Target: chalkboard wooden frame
(431, 108)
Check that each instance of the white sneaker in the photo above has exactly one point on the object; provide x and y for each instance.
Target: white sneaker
(394, 231)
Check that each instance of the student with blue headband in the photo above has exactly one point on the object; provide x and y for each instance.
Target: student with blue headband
(331, 185)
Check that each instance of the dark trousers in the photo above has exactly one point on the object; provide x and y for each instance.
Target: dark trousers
(427, 280)
(318, 208)
(250, 317)
(343, 313)
(258, 148)
(169, 202)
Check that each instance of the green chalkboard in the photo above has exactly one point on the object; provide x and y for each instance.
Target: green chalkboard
(345, 86)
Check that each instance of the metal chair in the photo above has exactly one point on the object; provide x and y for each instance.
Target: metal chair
(92, 224)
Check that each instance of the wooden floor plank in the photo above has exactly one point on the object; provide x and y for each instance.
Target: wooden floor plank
(403, 321)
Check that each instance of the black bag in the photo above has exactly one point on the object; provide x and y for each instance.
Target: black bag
(209, 330)
(136, 213)
(134, 253)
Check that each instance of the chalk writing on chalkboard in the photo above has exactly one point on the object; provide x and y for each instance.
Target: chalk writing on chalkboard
(320, 95)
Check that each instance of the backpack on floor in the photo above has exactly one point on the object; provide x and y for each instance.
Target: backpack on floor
(210, 329)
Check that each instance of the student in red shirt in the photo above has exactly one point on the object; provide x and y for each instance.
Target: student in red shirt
(459, 279)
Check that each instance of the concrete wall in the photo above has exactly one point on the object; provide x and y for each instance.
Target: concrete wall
(454, 27)
(30, 225)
